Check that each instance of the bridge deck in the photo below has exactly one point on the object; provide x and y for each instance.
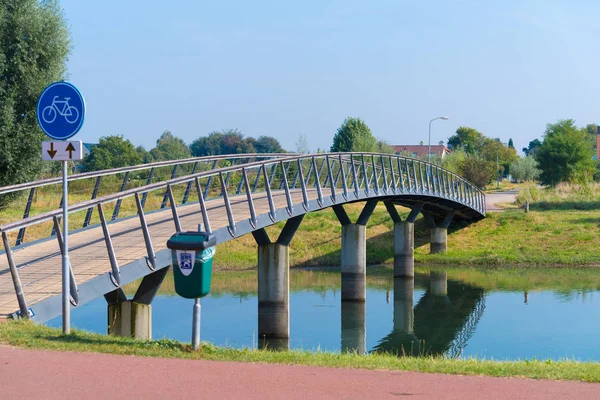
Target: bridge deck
(39, 264)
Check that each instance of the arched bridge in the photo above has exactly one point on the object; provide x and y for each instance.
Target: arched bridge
(129, 214)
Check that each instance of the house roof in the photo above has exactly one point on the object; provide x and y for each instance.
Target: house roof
(420, 150)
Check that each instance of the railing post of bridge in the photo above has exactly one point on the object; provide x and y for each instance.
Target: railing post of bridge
(401, 176)
(243, 180)
(393, 173)
(118, 205)
(231, 227)
(421, 176)
(354, 177)
(151, 255)
(344, 184)
(364, 171)
(272, 212)
(21, 234)
(72, 284)
(15, 278)
(227, 176)
(90, 211)
(148, 181)
(415, 180)
(305, 202)
(258, 174)
(202, 206)
(174, 208)
(166, 195)
(384, 174)
(330, 178)
(207, 188)
(189, 185)
(286, 187)
(319, 173)
(114, 265)
(318, 182)
(62, 199)
(253, 220)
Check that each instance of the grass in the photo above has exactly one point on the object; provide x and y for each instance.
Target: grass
(33, 336)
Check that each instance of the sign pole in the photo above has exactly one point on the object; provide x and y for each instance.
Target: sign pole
(196, 325)
(66, 306)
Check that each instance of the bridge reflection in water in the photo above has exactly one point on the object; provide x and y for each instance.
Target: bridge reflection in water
(441, 322)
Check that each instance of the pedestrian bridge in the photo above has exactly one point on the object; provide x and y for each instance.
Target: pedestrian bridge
(125, 216)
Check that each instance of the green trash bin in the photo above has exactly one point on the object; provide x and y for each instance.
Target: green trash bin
(192, 254)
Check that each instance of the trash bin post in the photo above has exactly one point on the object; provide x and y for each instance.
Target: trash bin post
(196, 325)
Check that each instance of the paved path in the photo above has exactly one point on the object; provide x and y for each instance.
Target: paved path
(493, 199)
(27, 374)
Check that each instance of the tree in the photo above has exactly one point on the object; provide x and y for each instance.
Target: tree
(268, 144)
(468, 139)
(112, 152)
(354, 135)
(511, 145)
(565, 155)
(496, 152)
(34, 47)
(477, 170)
(229, 141)
(302, 144)
(384, 147)
(169, 147)
(524, 169)
(533, 145)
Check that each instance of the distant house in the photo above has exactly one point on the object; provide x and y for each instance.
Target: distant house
(420, 150)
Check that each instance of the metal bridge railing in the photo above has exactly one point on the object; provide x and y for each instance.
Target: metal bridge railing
(315, 181)
(147, 172)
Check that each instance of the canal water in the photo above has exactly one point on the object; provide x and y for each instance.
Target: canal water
(503, 314)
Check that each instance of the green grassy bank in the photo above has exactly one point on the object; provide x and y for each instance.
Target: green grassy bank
(30, 335)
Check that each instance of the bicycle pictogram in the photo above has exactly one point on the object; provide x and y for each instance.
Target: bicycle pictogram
(62, 108)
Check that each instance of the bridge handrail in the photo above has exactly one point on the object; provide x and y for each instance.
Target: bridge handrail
(140, 167)
(204, 174)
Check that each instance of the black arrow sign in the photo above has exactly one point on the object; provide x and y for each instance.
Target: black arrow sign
(52, 152)
(70, 149)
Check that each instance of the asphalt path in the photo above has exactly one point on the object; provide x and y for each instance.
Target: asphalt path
(29, 374)
(493, 199)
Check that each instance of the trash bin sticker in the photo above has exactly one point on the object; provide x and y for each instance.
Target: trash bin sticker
(186, 261)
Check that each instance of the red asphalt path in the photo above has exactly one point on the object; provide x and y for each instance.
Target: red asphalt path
(29, 374)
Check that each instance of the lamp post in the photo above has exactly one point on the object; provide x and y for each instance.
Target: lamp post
(429, 145)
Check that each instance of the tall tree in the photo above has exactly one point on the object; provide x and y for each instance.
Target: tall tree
(533, 145)
(34, 47)
(354, 135)
(268, 144)
(302, 144)
(511, 145)
(112, 152)
(565, 155)
(227, 141)
(169, 147)
(468, 139)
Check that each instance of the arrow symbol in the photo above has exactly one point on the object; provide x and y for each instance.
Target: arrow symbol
(52, 152)
(70, 148)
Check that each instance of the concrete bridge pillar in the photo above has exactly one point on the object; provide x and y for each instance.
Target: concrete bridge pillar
(354, 252)
(133, 318)
(404, 241)
(354, 327)
(438, 236)
(274, 283)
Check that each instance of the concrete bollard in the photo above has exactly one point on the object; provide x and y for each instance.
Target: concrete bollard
(354, 262)
(273, 291)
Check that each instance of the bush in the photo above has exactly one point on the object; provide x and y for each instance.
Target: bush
(524, 169)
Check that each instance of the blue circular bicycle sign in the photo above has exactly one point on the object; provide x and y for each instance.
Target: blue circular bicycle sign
(61, 110)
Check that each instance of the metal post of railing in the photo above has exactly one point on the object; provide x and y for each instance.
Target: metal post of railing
(118, 205)
(61, 206)
(166, 195)
(354, 177)
(253, 220)
(296, 179)
(174, 208)
(344, 184)
(307, 178)
(415, 180)
(15, 278)
(90, 211)
(269, 195)
(384, 175)
(364, 171)
(375, 176)
(339, 172)
(72, 284)
(284, 173)
(148, 181)
(202, 206)
(318, 182)
(273, 171)
(258, 174)
(401, 175)
(288, 196)
(242, 181)
(305, 202)
(114, 265)
(207, 188)
(146, 232)
(189, 185)
(231, 227)
(21, 234)
(330, 178)
(393, 173)
(319, 173)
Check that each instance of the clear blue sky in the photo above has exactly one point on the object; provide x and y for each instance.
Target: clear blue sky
(283, 68)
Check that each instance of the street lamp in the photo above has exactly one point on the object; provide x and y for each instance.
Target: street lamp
(429, 145)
